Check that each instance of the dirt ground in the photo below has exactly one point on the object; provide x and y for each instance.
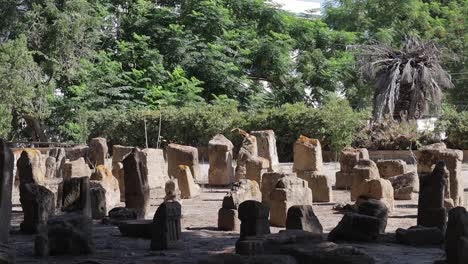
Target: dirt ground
(201, 236)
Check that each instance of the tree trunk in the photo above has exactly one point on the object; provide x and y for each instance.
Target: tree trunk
(36, 128)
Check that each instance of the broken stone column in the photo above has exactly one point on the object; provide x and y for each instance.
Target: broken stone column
(348, 159)
(307, 155)
(456, 242)
(76, 196)
(137, 192)
(429, 155)
(188, 188)
(118, 155)
(98, 151)
(166, 226)
(266, 147)
(76, 168)
(247, 150)
(221, 171)
(6, 185)
(183, 155)
(105, 193)
(302, 217)
(268, 184)
(390, 168)
(319, 184)
(240, 191)
(255, 168)
(254, 219)
(379, 189)
(154, 166)
(364, 170)
(288, 191)
(405, 186)
(431, 211)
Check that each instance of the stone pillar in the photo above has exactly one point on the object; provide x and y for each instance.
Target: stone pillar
(221, 171)
(266, 147)
(255, 168)
(268, 184)
(431, 211)
(6, 185)
(364, 170)
(137, 192)
(254, 219)
(247, 150)
(307, 155)
(118, 155)
(319, 184)
(379, 189)
(98, 151)
(166, 226)
(348, 159)
(288, 191)
(76, 168)
(76, 196)
(188, 188)
(182, 155)
(103, 182)
(154, 166)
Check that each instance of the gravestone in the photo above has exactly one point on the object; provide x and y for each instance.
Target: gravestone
(59, 155)
(98, 151)
(182, 155)
(221, 171)
(248, 149)
(51, 167)
(364, 170)
(6, 185)
(431, 211)
(38, 205)
(137, 192)
(307, 155)
(303, 217)
(348, 159)
(76, 196)
(166, 226)
(154, 166)
(266, 147)
(102, 178)
(254, 219)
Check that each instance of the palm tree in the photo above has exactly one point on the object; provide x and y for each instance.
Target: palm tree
(408, 82)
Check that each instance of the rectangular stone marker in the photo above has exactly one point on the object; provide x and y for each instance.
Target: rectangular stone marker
(98, 151)
(137, 191)
(254, 219)
(266, 147)
(307, 155)
(154, 166)
(166, 226)
(182, 155)
(6, 185)
(221, 171)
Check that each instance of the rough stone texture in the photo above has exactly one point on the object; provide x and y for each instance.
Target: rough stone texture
(154, 166)
(374, 208)
(55, 185)
(456, 237)
(390, 168)
(51, 167)
(268, 184)
(228, 220)
(303, 217)
(110, 184)
(348, 159)
(364, 170)
(307, 155)
(118, 155)
(420, 236)
(255, 168)
(430, 155)
(76, 196)
(288, 191)
(172, 190)
(431, 211)
(242, 191)
(254, 219)
(356, 227)
(98, 151)
(166, 226)
(319, 184)
(266, 147)
(221, 171)
(182, 155)
(188, 188)
(29, 167)
(137, 191)
(405, 186)
(76, 168)
(59, 155)
(122, 213)
(248, 149)
(76, 152)
(69, 234)
(98, 200)
(6, 184)
(38, 204)
(136, 228)
(379, 189)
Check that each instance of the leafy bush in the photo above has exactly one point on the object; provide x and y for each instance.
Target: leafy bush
(455, 126)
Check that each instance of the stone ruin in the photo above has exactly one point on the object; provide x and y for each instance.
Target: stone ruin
(241, 191)
(182, 155)
(390, 168)
(221, 171)
(166, 228)
(188, 188)
(266, 147)
(137, 191)
(6, 185)
(247, 150)
(308, 166)
(348, 159)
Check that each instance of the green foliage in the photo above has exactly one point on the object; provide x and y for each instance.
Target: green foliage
(455, 126)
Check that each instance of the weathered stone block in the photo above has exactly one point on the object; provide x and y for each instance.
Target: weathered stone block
(266, 147)
(390, 168)
(302, 217)
(404, 186)
(307, 155)
(221, 171)
(255, 168)
(379, 189)
(98, 151)
(268, 184)
(166, 226)
(182, 155)
(137, 191)
(364, 170)
(228, 220)
(319, 184)
(76, 168)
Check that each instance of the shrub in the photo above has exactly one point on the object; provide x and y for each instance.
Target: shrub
(455, 126)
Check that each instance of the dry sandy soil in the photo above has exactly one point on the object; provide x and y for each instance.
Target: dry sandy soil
(201, 237)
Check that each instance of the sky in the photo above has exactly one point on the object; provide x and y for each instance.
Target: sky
(299, 6)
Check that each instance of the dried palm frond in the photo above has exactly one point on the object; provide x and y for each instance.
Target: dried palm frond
(407, 81)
